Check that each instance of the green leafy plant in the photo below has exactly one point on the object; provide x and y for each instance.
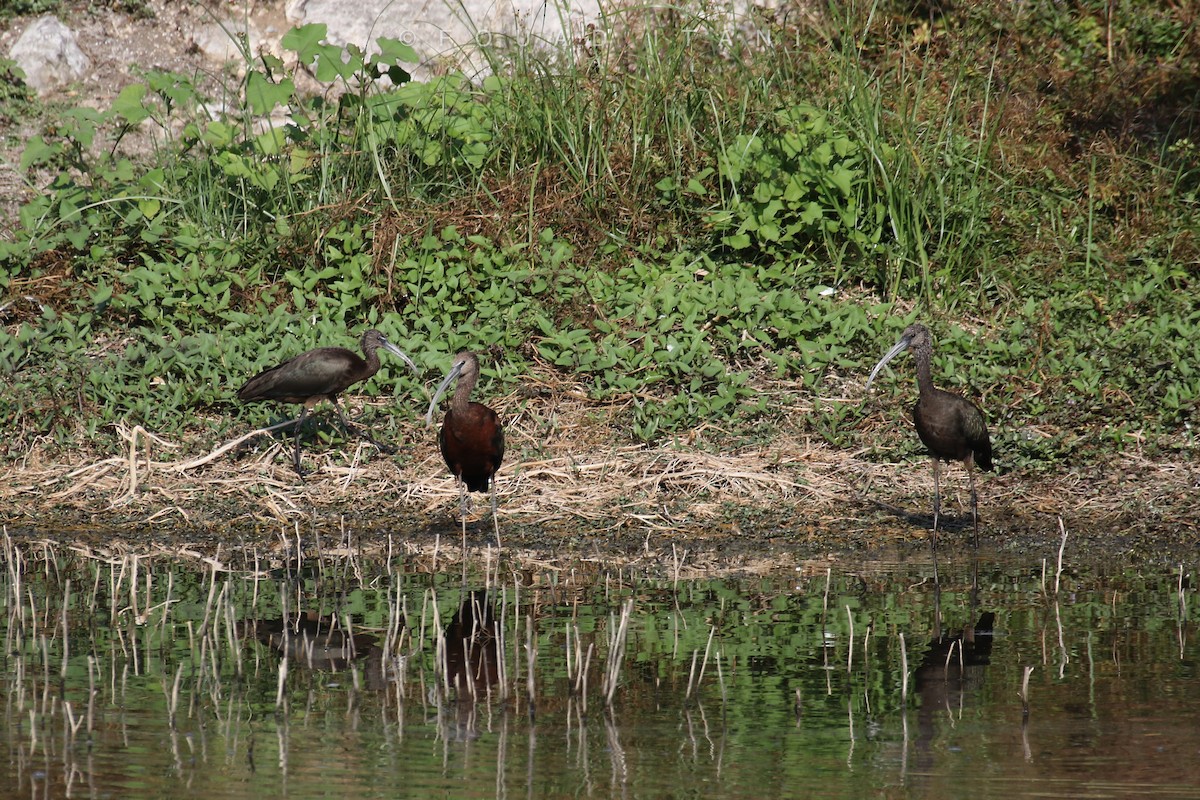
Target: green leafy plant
(798, 185)
(678, 220)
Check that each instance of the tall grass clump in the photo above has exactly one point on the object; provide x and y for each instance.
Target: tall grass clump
(928, 177)
(764, 141)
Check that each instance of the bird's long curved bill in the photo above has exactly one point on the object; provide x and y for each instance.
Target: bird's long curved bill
(897, 348)
(398, 353)
(450, 376)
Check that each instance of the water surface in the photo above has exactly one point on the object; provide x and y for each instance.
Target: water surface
(347, 675)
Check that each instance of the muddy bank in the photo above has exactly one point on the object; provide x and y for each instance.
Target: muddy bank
(758, 508)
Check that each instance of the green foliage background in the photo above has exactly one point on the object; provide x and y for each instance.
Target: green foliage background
(670, 214)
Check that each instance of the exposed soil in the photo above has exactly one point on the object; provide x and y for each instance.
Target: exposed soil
(122, 40)
(565, 488)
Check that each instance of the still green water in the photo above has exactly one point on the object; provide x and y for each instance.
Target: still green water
(164, 677)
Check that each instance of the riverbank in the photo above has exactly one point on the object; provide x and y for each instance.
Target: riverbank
(677, 280)
(565, 487)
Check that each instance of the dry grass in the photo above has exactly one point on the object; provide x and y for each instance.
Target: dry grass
(569, 466)
(545, 480)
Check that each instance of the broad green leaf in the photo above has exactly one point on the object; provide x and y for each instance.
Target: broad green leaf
(305, 41)
(128, 104)
(149, 207)
(392, 51)
(263, 95)
(38, 151)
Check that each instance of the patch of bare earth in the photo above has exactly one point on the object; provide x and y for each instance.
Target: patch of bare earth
(568, 484)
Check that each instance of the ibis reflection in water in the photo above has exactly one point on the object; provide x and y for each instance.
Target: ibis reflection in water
(320, 374)
(472, 655)
(951, 427)
(310, 640)
(473, 667)
(471, 438)
(949, 677)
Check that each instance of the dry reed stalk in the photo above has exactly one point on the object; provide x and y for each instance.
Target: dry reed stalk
(1061, 547)
(66, 632)
(439, 646)
(1024, 694)
(530, 662)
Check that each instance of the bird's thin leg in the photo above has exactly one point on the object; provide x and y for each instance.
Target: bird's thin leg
(495, 519)
(341, 418)
(462, 514)
(362, 432)
(296, 453)
(937, 499)
(974, 505)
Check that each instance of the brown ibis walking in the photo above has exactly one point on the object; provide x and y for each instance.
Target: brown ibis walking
(471, 439)
(951, 427)
(320, 374)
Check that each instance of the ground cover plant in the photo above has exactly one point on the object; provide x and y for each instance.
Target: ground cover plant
(677, 217)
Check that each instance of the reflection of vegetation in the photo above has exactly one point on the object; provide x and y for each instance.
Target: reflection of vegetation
(802, 668)
(673, 218)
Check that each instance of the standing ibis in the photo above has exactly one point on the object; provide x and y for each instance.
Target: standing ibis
(471, 439)
(320, 374)
(951, 427)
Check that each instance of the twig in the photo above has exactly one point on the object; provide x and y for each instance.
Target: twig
(1061, 546)
(225, 448)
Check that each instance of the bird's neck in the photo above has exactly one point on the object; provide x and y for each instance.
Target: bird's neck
(371, 356)
(924, 374)
(462, 396)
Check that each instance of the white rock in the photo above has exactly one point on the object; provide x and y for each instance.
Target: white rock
(445, 32)
(49, 55)
(216, 40)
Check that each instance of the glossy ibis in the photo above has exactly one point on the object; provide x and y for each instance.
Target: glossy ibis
(471, 439)
(951, 427)
(320, 374)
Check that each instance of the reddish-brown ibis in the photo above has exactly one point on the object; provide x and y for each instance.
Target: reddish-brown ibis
(471, 439)
(320, 374)
(951, 427)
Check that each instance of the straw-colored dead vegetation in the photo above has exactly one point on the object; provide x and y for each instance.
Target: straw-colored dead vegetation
(569, 473)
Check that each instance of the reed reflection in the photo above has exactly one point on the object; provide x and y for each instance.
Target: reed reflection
(472, 653)
(471, 657)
